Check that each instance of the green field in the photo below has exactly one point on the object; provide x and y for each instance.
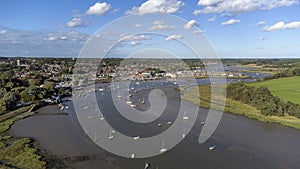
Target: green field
(235, 107)
(286, 88)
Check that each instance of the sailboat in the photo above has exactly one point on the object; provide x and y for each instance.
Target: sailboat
(212, 147)
(143, 101)
(183, 135)
(101, 116)
(137, 137)
(132, 156)
(147, 165)
(185, 117)
(119, 96)
(86, 132)
(110, 137)
(95, 136)
(163, 149)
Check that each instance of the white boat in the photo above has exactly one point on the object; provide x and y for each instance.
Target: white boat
(85, 107)
(101, 89)
(136, 138)
(169, 122)
(110, 137)
(100, 115)
(185, 117)
(143, 101)
(119, 96)
(202, 123)
(91, 117)
(159, 125)
(163, 148)
(86, 132)
(212, 147)
(133, 105)
(132, 156)
(129, 102)
(95, 136)
(147, 165)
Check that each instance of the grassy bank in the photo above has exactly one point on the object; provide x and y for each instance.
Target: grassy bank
(17, 152)
(235, 107)
(286, 88)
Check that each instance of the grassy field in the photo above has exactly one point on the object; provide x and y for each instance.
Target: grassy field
(235, 107)
(286, 88)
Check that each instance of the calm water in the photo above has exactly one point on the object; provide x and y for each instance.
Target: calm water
(241, 143)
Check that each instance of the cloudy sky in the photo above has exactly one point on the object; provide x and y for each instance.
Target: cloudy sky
(236, 28)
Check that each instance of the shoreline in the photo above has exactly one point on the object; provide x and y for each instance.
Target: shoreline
(245, 110)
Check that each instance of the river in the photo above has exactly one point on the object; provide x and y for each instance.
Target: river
(242, 143)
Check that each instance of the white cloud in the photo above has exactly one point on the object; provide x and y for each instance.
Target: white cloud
(230, 22)
(77, 22)
(196, 12)
(63, 38)
(52, 38)
(133, 43)
(282, 26)
(208, 2)
(173, 37)
(212, 19)
(154, 6)
(134, 37)
(242, 6)
(198, 32)
(160, 25)
(98, 9)
(138, 25)
(260, 23)
(190, 24)
(116, 10)
(3, 31)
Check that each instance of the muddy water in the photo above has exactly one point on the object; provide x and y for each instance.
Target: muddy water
(241, 143)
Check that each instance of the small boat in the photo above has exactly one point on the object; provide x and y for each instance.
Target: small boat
(136, 138)
(119, 96)
(101, 116)
(129, 102)
(169, 122)
(132, 156)
(212, 147)
(91, 117)
(185, 117)
(86, 132)
(133, 105)
(110, 137)
(159, 125)
(202, 123)
(143, 101)
(147, 165)
(85, 107)
(163, 149)
(101, 89)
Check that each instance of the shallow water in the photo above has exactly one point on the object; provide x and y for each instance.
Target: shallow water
(241, 143)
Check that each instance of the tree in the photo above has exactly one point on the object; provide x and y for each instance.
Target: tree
(3, 107)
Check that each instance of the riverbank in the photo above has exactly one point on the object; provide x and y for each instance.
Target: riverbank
(16, 152)
(235, 107)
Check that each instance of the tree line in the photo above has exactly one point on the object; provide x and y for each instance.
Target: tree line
(262, 99)
(15, 92)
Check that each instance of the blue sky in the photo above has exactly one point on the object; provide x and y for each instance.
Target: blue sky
(236, 28)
